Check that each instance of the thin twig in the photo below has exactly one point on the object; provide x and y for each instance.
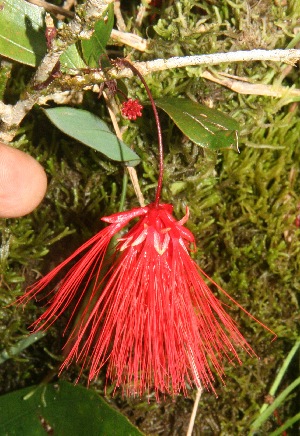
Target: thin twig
(119, 36)
(119, 18)
(69, 4)
(129, 39)
(141, 13)
(194, 412)
(135, 182)
(13, 115)
(242, 86)
(52, 8)
(287, 56)
(112, 109)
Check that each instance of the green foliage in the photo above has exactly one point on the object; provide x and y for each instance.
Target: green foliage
(95, 47)
(266, 410)
(20, 346)
(90, 130)
(202, 125)
(22, 35)
(71, 59)
(47, 407)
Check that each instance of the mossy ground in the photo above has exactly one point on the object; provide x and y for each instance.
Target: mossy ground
(243, 207)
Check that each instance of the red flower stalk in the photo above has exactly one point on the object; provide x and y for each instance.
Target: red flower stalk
(152, 317)
(131, 109)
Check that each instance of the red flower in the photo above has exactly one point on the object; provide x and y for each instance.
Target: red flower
(151, 315)
(131, 109)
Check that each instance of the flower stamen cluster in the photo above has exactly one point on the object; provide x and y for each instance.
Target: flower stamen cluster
(151, 316)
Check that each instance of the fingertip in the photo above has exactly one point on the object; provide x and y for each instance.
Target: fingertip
(23, 182)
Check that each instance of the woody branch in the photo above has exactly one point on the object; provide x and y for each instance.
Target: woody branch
(78, 28)
(13, 115)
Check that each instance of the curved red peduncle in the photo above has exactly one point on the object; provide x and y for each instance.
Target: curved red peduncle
(126, 63)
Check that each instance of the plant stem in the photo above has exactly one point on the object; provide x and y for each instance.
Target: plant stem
(277, 402)
(124, 189)
(12, 115)
(194, 412)
(281, 373)
(287, 56)
(279, 431)
(111, 105)
(126, 63)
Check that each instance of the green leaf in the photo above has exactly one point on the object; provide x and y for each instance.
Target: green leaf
(22, 32)
(206, 127)
(71, 59)
(90, 130)
(93, 48)
(276, 403)
(281, 373)
(289, 422)
(60, 409)
(20, 346)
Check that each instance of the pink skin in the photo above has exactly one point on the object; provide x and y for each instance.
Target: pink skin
(23, 182)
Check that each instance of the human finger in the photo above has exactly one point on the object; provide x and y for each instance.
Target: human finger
(23, 182)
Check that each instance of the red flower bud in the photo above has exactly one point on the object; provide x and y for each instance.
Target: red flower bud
(131, 109)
